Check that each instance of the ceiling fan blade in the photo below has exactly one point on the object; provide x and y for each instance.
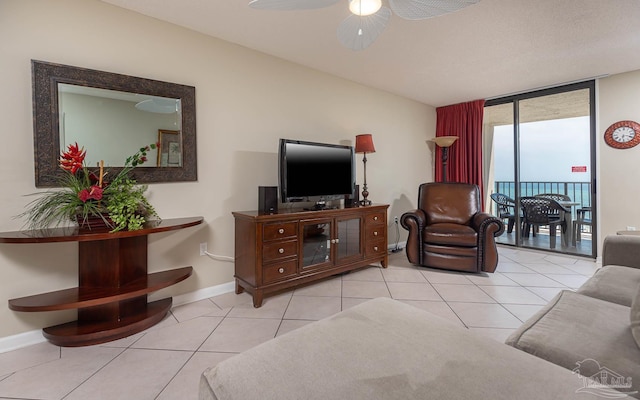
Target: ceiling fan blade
(423, 9)
(358, 32)
(290, 4)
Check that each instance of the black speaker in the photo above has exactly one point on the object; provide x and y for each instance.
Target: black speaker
(267, 199)
(353, 199)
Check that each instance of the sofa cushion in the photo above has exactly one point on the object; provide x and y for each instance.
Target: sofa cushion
(450, 235)
(613, 283)
(385, 349)
(635, 317)
(583, 334)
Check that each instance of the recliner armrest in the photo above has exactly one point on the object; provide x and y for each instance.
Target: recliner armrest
(621, 250)
(414, 221)
(482, 220)
(413, 217)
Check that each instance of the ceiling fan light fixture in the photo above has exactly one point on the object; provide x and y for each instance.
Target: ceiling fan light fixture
(364, 7)
(369, 18)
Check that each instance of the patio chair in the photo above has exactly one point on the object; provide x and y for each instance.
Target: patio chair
(554, 196)
(506, 209)
(581, 220)
(541, 211)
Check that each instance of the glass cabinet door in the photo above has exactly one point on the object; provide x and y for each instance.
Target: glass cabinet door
(316, 243)
(349, 243)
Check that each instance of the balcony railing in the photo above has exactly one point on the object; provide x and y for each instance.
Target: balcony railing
(579, 192)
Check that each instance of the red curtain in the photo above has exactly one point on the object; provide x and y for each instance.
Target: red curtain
(465, 155)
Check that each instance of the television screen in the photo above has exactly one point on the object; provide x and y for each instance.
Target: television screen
(309, 169)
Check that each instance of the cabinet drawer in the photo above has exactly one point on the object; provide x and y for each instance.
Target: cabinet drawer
(376, 218)
(278, 250)
(374, 248)
(374, 232)
(280, 230)
(279, 271)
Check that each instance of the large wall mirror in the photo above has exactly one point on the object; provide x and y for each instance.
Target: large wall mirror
(112, 116)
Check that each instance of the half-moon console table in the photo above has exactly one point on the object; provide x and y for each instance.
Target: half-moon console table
(113, 283)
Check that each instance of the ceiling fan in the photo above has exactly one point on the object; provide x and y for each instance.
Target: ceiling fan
(368, 17)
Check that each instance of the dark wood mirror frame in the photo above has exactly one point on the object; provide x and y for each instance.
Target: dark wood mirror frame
(45, 79)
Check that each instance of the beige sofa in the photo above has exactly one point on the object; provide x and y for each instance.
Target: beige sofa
(385, 349)
(590, 330)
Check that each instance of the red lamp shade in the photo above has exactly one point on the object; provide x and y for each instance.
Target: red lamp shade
(364, 144)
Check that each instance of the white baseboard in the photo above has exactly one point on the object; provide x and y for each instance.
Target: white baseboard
(401, 245)
(29, 338)
(202, 294)
(20, 340)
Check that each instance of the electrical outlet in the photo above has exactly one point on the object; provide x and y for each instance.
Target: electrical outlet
(203, 249)
(395, 219)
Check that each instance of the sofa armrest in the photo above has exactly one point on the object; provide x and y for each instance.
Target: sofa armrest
(621, 250)
(414, 221)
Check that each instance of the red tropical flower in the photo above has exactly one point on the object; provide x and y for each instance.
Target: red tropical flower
(93, 193)
(83, 195)
(72, 159)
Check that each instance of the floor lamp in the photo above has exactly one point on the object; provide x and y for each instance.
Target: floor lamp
(445, 142)
(364, 144)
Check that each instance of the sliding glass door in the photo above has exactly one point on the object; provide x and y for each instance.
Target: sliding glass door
(539, 168)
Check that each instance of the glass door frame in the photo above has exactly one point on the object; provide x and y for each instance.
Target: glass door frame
(515, 100)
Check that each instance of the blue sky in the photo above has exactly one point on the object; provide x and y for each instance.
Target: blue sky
(548, 150)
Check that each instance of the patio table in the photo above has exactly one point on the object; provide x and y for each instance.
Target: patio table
(567, 215)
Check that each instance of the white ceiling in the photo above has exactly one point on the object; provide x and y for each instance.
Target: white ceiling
(490, 49)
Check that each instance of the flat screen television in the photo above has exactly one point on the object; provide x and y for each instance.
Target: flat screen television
(315, 171)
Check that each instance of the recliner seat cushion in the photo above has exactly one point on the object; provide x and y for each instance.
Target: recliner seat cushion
(613, 283)
(574, 328)
(450, 235)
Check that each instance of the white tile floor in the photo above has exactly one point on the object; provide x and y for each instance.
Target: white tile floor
(165, 362)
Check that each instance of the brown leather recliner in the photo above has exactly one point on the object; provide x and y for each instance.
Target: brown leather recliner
(449, 231)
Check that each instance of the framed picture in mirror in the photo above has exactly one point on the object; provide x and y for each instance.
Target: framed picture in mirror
(169, 148)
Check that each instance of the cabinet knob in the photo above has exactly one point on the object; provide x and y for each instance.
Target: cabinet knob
(375, 233)
(281, 231)
(281, 270)
(337, 240)
(375, 248)
(375, 218)
(281, 250)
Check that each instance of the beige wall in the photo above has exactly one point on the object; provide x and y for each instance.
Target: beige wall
(245, 101)
(619, 191)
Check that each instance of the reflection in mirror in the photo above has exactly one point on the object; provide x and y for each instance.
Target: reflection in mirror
(111, 115)
(110, 121)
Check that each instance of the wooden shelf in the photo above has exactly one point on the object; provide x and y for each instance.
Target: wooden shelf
(113, 283)
(79, 333)
(74, 234)
(88, 297)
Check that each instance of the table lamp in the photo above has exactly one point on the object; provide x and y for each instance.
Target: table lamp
(364, 144)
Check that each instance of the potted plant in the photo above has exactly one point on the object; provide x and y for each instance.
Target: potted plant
(87, 196)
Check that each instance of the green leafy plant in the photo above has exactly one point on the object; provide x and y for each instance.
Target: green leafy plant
(85, 194)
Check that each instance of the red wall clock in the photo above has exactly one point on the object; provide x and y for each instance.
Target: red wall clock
(623, 135)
